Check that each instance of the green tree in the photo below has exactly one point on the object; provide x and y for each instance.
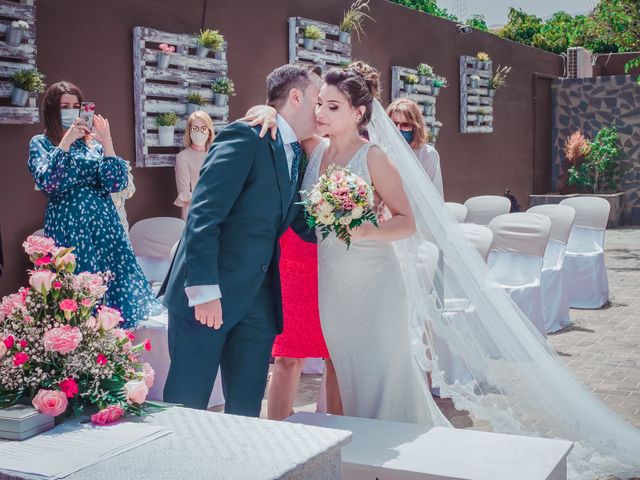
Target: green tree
(521, 27)
(428, 6)
(478, 22)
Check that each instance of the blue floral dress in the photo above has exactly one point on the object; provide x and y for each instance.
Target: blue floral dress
(81, 214)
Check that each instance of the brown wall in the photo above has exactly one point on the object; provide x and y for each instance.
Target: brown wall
(613, 64)
(89, 43)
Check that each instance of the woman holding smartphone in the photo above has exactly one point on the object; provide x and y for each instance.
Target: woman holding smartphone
(77, 169)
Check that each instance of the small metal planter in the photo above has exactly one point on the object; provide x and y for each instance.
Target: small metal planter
(435, 130)
(163, 60)
(492, 92)
(13, 36)
(201, 51)
(220, 55)
(473, 83)
(19, 97)
(435, 91)
(429, 109)
(423, 79)
(220, 99)
(166, 135)
(344, 37)
(479, 119)
(309, 44)
(193, 107)
(409, 87)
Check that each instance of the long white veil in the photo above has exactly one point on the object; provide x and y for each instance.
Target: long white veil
(504, 372)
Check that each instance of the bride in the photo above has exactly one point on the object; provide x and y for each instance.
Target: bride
(380, 301)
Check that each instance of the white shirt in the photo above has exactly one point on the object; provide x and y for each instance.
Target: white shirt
(198, 294)
(430, 161)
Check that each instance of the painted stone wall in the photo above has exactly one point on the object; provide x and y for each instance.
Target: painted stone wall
(589, 104)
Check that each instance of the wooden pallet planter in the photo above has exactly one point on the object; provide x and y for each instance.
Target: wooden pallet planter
(158, 90)
(14, 58)
(474, 100)
(328, 53)
(422, 94)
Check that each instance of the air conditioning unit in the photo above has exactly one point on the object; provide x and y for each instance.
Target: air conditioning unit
(579, 63)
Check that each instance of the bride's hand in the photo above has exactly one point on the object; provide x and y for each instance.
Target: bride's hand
(362, 232)
(265, 116)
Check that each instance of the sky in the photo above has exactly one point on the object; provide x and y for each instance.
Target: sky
(495, 11)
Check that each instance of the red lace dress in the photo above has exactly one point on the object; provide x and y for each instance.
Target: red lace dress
(302, 335)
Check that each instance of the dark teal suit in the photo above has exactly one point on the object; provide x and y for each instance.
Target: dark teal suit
(240, 208)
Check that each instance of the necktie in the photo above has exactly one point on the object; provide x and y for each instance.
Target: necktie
(295, 168)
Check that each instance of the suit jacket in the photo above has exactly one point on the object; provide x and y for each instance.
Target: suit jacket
(240, 208)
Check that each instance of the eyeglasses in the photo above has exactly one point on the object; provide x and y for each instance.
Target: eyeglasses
(404, 126)
(195, 129)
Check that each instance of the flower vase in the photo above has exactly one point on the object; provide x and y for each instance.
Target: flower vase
(409, 87)
(473, 83)
(201, 51)
(492, 92)
(309, 44)
(344, 37)
(435, 91)
(220, 99)
(192, 107)
(19, 97)
(163, 60)
(13, 36)
(166, 135)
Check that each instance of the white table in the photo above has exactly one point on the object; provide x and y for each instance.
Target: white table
(212, 446)
(403, 451)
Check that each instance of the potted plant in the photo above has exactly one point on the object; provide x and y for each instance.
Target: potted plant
(209, 40)
(499, 79)
(429, 109)
(311, 35)
(14, 32)
(410, 81)
(166, 128)
(163, 58)
(24, 83)
(474, 81)
(353, 20)
(438, 83)
(483, 61)
(222, 88)
(425, 73)
(481, 115)
(435, 128)
(194, 102)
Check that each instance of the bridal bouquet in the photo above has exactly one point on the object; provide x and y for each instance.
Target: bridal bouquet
(339, 202)
(62, 349)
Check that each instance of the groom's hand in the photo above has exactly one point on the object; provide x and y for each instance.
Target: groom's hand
(209, 314)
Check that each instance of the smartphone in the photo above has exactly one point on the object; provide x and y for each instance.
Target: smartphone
(87, 109)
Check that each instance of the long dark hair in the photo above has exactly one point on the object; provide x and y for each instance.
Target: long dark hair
(51, 108)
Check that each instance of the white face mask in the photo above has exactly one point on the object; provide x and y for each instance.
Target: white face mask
(199, 138)
(67, 116)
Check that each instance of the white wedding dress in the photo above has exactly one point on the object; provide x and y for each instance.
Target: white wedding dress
(365, 322)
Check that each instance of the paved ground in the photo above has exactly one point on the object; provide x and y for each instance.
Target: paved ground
(602, 346)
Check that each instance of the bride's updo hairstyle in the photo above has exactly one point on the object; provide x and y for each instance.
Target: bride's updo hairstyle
(359, 82)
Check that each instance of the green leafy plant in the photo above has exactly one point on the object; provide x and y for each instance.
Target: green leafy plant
(425, 70)
(478, 22)
(30, 80)
(597, 170)
(312, 32)
(166, 119)
(354, 17)
(635, 63)
(411, 79)
(499, 78)
(211, 39)
(196, 98)
(440, 82)
(223, 86)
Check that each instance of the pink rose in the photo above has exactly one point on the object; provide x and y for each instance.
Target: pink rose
(50, 402)
(63, 339)
(69, 387)
(35, 245)
(20, 358)
(108, 318)
(41, 280)
(91, 323)
(8, 341)
(149, 375)
(107, 415)
(136, 391)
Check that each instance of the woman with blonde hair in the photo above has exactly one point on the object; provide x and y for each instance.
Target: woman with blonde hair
(407, 116)
(199, 135)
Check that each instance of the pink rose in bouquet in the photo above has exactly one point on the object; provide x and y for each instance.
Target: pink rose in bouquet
(62, 339)
(50, 402)
(108, 318)
(42, 280)
(136, 391)
(39, 246)
(107, 415)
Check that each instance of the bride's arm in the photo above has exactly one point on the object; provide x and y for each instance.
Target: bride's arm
(388, 184)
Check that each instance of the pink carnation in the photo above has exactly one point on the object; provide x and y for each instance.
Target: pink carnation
(20, 358)
(10, 303)
(43, 261)
(68, 305)
(63, 339)
(101, 359)
(9, 341)
(107, 415)
(69, 387)
(147, 344)
(149, 375)
(50, 402)
(35, 245)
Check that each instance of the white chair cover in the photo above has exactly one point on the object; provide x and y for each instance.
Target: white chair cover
(483, 209)
(584, 264)
(515, 260)
(555, 296)
(480, 237)
(458, 210)
(152, 239)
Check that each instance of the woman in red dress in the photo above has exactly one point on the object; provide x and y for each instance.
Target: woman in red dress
(302, 336)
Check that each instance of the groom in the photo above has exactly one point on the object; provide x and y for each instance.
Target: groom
(223, 288)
